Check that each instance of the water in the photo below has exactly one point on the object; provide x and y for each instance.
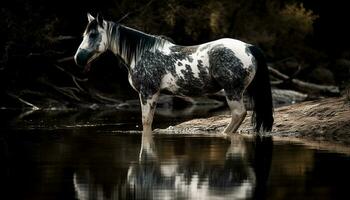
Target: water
(91, 161)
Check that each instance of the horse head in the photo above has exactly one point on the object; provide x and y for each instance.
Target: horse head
(95, 41)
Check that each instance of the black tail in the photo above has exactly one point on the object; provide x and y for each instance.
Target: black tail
(259, 92)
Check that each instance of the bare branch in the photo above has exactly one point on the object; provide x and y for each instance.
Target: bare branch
(70, 74)
(69, 58)
(25, 102)
(276, 73)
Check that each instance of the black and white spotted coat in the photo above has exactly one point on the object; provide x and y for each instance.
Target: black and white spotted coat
(194, 70)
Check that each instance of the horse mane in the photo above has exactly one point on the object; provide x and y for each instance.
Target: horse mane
(130, 43)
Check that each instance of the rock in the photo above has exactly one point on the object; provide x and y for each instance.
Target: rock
(341, 69)
(286, 97)
(322, 75)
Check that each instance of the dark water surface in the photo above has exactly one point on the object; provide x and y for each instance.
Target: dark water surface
(80, 157)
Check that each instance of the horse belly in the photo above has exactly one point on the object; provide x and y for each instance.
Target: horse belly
(198, 87)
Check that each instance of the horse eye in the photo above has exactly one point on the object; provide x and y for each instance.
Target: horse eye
(93, 35)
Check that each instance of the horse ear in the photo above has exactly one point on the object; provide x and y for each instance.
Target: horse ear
(90, 17)
(100, 20)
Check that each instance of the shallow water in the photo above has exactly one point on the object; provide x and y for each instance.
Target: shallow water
(45, 157)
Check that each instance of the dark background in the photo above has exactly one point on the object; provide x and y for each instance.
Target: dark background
(306, 39)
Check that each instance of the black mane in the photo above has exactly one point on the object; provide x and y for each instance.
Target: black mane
(131, 43)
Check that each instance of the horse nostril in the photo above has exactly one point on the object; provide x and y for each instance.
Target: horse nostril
(80, 59)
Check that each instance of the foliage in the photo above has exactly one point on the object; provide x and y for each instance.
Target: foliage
(280, 29)
(299, 17)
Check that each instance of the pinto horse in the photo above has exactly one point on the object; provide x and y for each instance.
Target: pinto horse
(156, 65)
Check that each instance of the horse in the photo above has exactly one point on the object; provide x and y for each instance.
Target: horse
(155, 65)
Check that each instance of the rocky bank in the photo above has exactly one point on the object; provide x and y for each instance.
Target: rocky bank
(321, 123)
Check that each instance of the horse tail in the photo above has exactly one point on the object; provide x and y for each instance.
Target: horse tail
(259, 92)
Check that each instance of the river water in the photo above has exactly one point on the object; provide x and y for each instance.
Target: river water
(93, 155)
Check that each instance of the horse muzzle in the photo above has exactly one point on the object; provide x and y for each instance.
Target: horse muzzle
(82, 57)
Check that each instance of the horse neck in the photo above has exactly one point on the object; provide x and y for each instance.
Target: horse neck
(129, 43)
(112, 29)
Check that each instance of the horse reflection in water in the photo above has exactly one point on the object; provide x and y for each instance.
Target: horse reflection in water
(235, 180)
(150, 178)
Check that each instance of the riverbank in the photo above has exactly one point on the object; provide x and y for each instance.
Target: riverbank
(321, 123)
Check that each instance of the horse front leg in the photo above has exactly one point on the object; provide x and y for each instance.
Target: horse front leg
(148, 107)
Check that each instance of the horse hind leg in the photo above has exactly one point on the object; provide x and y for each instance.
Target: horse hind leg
(238, 113)
(229, 72)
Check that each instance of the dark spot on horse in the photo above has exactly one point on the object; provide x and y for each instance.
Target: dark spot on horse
(94, 40)
(189, 84)
(153, 105)
(228, 71)
(196, 86)
(200, 63)
(190, 59)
